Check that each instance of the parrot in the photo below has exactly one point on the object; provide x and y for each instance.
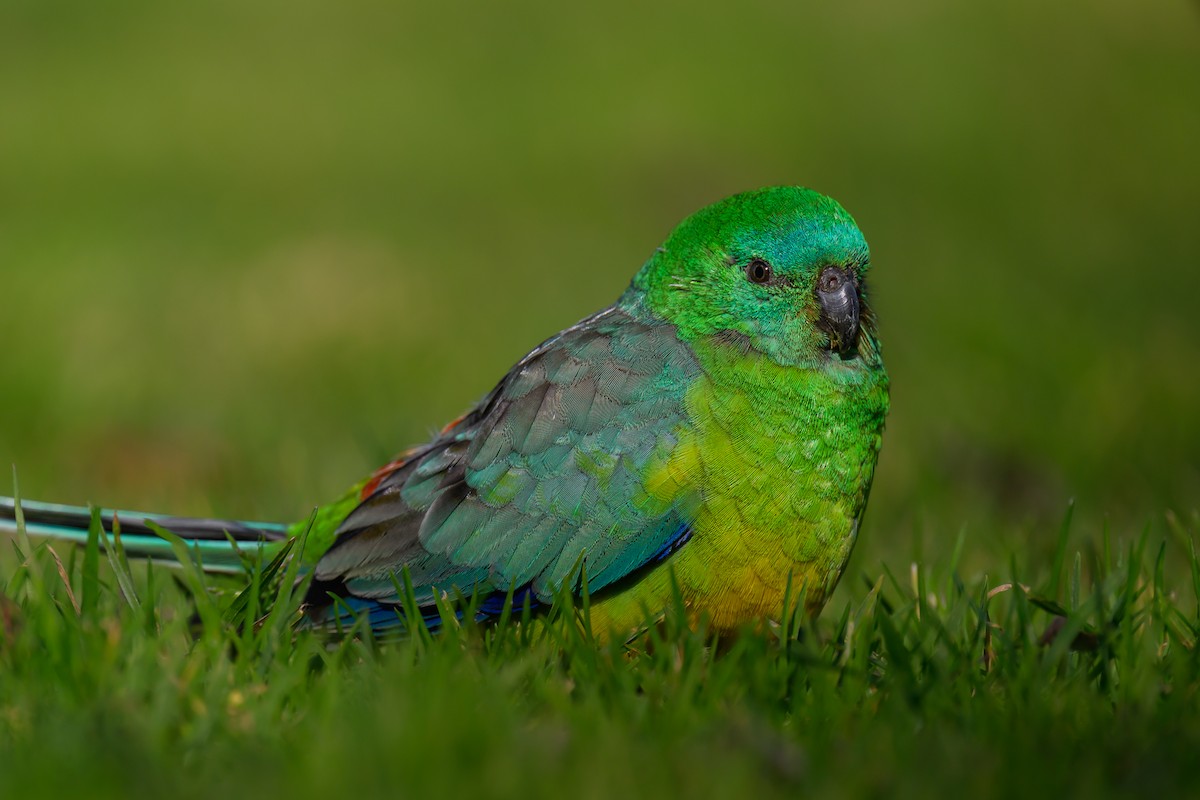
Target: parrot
(709, 438)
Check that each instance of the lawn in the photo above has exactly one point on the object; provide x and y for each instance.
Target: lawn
(249, 251)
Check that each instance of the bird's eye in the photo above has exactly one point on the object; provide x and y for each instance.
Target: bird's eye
(758, 271)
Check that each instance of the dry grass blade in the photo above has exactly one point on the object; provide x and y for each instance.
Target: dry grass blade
(66, 581)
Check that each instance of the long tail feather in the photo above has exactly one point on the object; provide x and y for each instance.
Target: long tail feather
(221, 544)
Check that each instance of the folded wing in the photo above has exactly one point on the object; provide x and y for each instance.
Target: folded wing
(549, 471)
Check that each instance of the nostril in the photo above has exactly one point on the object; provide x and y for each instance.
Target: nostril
(831, 279)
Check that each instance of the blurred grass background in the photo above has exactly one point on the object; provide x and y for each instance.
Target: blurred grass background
(249, 251)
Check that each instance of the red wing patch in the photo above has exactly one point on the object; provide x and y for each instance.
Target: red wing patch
(387, 469)
(401, 460)
(454, 423)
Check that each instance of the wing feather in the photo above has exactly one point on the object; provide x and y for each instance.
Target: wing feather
(550, 468)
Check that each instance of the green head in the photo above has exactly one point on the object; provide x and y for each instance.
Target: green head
(780, 269)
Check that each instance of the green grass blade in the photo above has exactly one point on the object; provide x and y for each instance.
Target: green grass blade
(90, 576)
(117, 560)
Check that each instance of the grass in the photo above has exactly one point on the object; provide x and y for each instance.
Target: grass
(1074, 677)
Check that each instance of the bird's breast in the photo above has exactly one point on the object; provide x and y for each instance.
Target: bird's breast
(782, 459)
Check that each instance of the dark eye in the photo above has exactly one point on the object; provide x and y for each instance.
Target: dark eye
(758, 271)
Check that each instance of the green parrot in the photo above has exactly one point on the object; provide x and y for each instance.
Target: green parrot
(712, 433)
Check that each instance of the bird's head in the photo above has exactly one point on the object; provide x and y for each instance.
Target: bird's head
(781, 269)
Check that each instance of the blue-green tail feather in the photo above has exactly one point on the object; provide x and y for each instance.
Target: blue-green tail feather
(222, 545)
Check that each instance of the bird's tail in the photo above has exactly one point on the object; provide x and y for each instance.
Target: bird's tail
(222, 545)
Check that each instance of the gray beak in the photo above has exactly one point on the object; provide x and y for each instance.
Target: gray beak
(839, 308)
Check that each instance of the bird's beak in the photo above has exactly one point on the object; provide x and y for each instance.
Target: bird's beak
(839, 309)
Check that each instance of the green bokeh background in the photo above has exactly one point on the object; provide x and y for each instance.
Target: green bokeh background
(249, 251)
